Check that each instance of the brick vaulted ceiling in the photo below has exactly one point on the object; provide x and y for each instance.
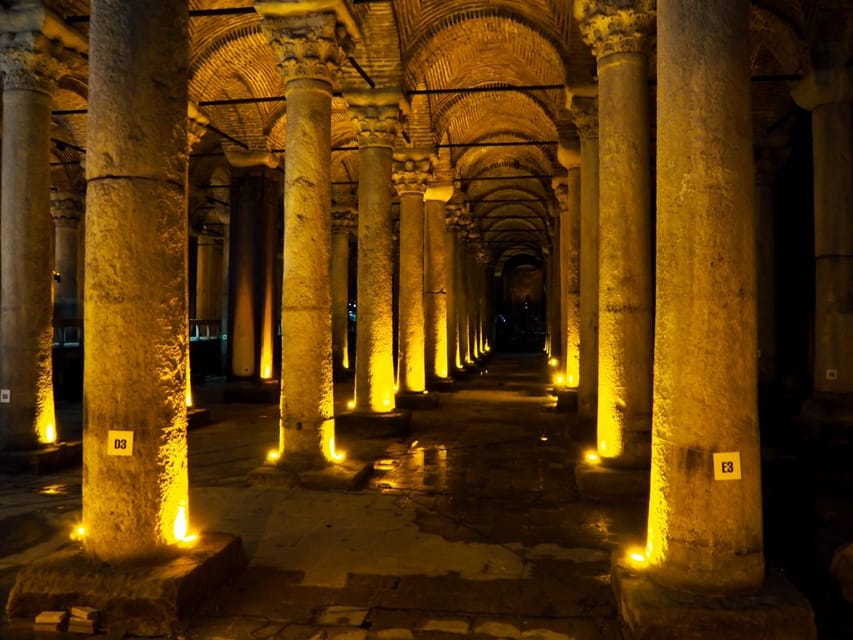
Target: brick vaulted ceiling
(456, 62)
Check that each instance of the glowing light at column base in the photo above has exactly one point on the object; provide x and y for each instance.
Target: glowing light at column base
(78, 532)
(188, 398)
(553, 362)
(350, 404)
(48, 435)
(180, 529)
(592, 457)
(559, 380)
(332, 454)
(273, 455)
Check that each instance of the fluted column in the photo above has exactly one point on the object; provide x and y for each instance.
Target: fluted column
(828, 94)
(308, 51)
(621, 38)
(436, 281)
(27, 419)
(136, 242)
(705, 527)
(376, 117)
(65, 209)
(343, 223)
(410, 179)
(585, 116)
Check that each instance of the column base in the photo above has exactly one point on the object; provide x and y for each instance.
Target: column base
(462, 374)
(651, 612)
(567, 400)
(252, 392)
(392, 424)
(198, 417)
(605, 484)
(445, 385)
(144, 599)
(349, 475)
(44, 460)
(414, 400)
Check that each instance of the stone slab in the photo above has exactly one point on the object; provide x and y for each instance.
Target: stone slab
(444, 385)
(567, 400)
(45, 460)
(600, 483)
(650, 612)
(252, 392)
(392, 424)
(198, 417)
(349, 475)
(417, 401)
(142, 599)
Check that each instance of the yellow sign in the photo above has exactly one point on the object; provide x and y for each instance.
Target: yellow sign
(727, 465)
(120, 443)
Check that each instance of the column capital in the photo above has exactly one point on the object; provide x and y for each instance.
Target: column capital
(344, 220)
(561, 192)
(617, 26)
(27, 68)
(376, 117)
(410, 174)
(584, 113)
(306, 46)
(823, 86)
(196, 125)
(65, 208)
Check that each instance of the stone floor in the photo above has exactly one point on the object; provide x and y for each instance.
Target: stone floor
(471, 526)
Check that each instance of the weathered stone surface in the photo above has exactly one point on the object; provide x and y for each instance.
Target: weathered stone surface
(143, 599)
(651, 612)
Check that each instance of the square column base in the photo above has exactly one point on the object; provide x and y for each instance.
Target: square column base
(650, 612)
(606, 484)
(445, 385)
(44, 460)
(392, 424)
(252, 392)
(419, 401)
(567, 400)
(349, 475)
(144, 599)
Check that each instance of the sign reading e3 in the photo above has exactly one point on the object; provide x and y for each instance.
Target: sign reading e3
(120, 443)
(727, 465)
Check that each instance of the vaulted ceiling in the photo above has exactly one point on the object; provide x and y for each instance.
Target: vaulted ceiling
(485, 82)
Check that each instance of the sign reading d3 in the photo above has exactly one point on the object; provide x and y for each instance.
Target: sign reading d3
(727, 465)
(120, 443)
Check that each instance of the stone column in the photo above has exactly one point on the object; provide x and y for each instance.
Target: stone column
(209, 279)
(27, 419)
(376, 117)
(65, 209)
(473, 287)
(410, 178)
(461, 291)
(585, 115)
(436, 282)
(135, 487)
(621, 39)
(451, 222)
(569, 196)
(705, 530)
(343, 222)
(554, 297)
(828, 93)
(308, 51)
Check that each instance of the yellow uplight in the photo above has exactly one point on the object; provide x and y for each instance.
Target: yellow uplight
(181, 526)
(559, 380)
(49, 434)
(273, 455)
(334, 455)
(592, 457)
(571, 380)
(636, 558)
(396, 388)
(351, 404)
(553, 362)
(188, 398)
(267, 374)
(78, 532)
(386, 402)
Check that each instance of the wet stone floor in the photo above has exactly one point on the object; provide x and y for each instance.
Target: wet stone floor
(470, 526)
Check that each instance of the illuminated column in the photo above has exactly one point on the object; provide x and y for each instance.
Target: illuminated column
(461, 291)
(569, 196)
(65, 208)
(705, 530)
(585, 116)
(308, 52)
(136, 239)
(451, 222)
(436, 281)
(27, 419)
(828, 94)
(255, 205)
(376, 118)
(621, 39)
(473, 289)
(410, 178)
(554, 296)
(343, 223)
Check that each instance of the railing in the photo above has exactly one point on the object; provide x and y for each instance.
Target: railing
(205, 329)
(68, 332)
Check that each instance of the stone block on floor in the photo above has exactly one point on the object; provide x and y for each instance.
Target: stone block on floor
(605, 484)
(417, 401)
(48, 459)
(650, 612)
(146, 599)
(391, 424)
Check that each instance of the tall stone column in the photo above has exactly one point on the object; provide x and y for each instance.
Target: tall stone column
(436, 282)
(828, 94)
(569, 197)
(461, 291)
(410, 179)
(343, 222)
(554, 297)
(621, 39)
(65, 208)
(376, 117)
(209, 279)
(27, 419)
(452, 222)
(585, 116)
(309, 53)
(135, 486)
(705, 528)
(473, 286)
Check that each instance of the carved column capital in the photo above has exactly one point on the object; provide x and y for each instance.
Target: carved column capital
(309, 46)
(376, 125)
(561, 192)
(411, 175)
(584, 113)
(344, 220)
(66, 209)
(617, 26)
(196, 126)
(29, 65)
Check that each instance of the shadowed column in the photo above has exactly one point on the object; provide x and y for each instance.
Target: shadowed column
(344, 221)
(436, 281)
